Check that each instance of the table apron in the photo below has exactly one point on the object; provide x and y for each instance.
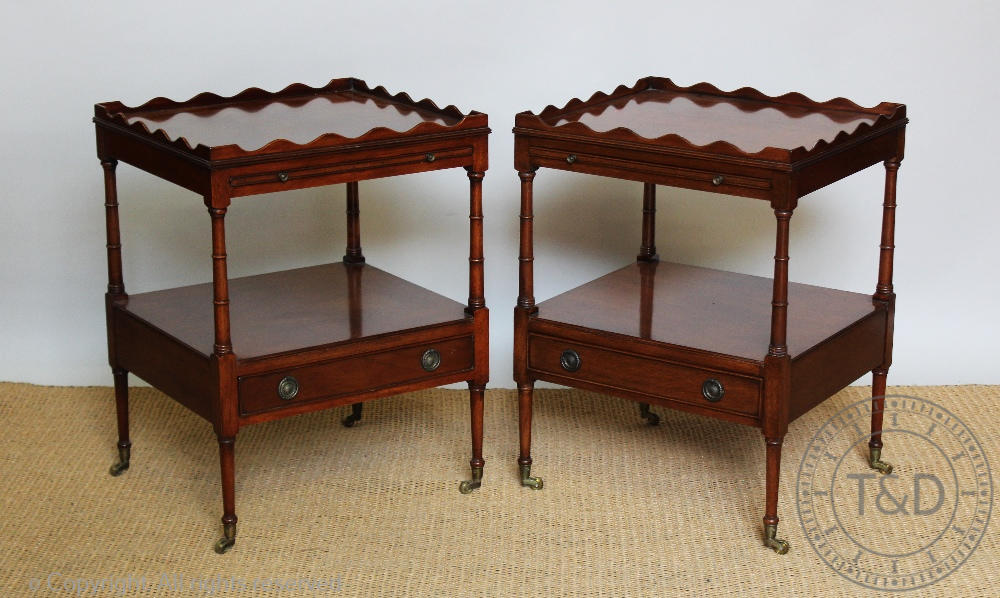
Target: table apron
(660, 169)
(328, 169)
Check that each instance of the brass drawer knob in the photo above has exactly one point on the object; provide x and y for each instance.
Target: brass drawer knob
(571, 158)
(430, 157)
(570, 360)
(283, 176)
(288, 387)
(712, 390)
(718, 180)
(430, 360)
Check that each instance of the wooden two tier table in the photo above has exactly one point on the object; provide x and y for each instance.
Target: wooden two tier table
(741, 348)
(249, 350)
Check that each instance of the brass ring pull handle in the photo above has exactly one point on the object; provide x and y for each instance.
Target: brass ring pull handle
(712, 390)
(430, 360)
(570, 360)
(283, 176)
(571, 158)
(288, 388)
(430, 157)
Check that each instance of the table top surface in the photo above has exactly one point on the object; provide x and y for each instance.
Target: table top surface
(744, 122)
(298, 117)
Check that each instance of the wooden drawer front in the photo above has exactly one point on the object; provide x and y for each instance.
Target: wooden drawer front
(659, 172)
(638, 375)
(353, 375)
(340, 168)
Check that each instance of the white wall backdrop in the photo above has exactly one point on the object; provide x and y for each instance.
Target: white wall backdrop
(59, 58)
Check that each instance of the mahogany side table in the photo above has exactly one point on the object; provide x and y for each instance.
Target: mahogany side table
(249, 350)
(745, 349)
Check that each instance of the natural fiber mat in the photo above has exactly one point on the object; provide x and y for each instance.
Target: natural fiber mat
(374, 510)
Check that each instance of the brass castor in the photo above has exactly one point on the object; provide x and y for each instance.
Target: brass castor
(527, 480)
(876, 462)
(228, 538)
(124, 453)
(468, 486)
(648, 415)
(779, 546)
(354, 417)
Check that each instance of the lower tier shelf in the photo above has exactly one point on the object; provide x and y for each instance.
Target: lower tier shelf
(672, 334)
(291, 310)
(304, 339)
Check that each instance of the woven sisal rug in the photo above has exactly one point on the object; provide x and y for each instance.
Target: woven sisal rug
(374, 510)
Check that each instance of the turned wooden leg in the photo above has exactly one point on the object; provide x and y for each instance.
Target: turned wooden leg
(647, 251)
(525, 308)
(777, 366)
(353, 254)
(647, 259)
(121, 405)
(477, 463)
(886, 298)
(524, 393)
(227, 464)
(771, 501)
(878, 408)
(115, 294)
(223, 362)
(354, 417)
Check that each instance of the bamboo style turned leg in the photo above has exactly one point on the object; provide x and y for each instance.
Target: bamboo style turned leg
(524, 395)
(777, 364)
(476, 307)
(223, 361)
(121, 406)
(878, 408)
(226, 461)
(354, 417)
(647, 254)
(353, 255)
(771, 509)
(115, 293)
(477, 463)
(525, 307)
(886, 298)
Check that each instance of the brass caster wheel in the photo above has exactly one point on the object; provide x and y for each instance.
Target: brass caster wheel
(649, 416)
(224, 544)
(876, 462)
(354, 417)
(468, 486)
(527, 480)
(122, 464)
(779, 546)
(227, 540)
